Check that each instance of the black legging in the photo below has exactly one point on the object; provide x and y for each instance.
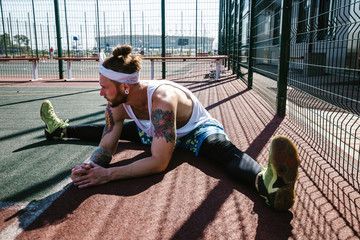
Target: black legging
(93, 132)
(237, 164)
(216, 147)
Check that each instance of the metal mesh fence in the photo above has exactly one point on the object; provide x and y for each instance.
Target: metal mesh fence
(83, 28)
(22, 70)
(234, 40)
(27, 28)
(86, 27)
(266, 29)
(324, 76)
(320, 59)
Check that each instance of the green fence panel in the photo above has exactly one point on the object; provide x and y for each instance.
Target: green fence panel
(86, 27)
(27, 29)
(325, 79)
(322, 82)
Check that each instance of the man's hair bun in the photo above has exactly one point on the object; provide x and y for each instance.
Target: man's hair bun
(122, 50)
(122, 60)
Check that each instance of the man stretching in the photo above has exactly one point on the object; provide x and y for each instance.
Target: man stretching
(166, 115)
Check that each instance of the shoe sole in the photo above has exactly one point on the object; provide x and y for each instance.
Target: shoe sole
(285, 160)
(47, 134)
(41, 110)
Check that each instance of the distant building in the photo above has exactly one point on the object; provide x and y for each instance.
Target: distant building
(151, 44)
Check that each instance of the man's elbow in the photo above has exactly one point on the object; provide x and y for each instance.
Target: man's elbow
(162, 165)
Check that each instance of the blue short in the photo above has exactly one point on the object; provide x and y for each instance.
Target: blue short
(193, 140)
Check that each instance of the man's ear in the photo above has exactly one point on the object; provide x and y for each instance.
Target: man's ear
(125, 87)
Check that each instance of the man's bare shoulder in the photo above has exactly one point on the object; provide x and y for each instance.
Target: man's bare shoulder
(168, 97)
(165, 94)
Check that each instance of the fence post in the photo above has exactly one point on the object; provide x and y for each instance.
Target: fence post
(3, 24)
(235, 43)
(30, 41)
(36, 44)
(18, 33)
(11, 35)
(163, 52)
(48, 32)
(58, 38)
(67, 30)
(142, 46)
(196, 20)
(130, 23)
(220, 26)
(98, 25)
(285, 28)
(251, 44)
(86, 39)
(105, 41)
(239, 37)
(227, 42)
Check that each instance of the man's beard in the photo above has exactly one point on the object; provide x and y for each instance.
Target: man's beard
(120, 99)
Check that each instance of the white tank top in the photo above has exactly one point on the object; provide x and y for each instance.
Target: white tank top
(199, 116)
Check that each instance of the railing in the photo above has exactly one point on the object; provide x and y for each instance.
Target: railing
(187, 59)
(69, 60)
(87, 68)
(33, 60)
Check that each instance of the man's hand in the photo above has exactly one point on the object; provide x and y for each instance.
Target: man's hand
(89, 174)
(75, 171)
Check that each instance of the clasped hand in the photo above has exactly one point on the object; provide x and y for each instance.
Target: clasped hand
(89, 174)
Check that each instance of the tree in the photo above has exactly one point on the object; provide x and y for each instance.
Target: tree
(7, 40)
(23, 43)
(22, 40)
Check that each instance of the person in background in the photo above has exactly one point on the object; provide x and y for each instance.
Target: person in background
(51, 52)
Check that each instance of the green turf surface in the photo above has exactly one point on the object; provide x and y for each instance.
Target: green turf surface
(30, 166)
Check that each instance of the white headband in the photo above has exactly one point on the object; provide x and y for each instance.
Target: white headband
(131, 78)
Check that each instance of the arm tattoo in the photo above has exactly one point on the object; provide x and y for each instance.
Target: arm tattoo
(109, 125)
(163, 122)
(101, 157)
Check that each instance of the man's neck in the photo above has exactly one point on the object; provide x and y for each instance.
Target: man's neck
(138, 96)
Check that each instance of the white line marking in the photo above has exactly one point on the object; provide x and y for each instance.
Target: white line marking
(31, 211)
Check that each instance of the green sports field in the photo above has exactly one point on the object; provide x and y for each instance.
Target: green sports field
(30, 166)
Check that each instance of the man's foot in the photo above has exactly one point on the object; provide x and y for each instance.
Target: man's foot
(276, 182)
(54, 125)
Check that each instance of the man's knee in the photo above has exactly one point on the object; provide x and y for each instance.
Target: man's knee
(218, 147)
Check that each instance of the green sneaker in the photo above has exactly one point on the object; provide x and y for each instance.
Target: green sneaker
(276, 182)
(54, 125)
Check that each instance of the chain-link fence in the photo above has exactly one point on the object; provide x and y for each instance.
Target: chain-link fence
(83, 28)
(325, 79)
(303, 58)
(314, 46)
